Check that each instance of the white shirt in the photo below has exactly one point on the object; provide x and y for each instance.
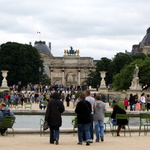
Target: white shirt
(92, 102)
(142, 99)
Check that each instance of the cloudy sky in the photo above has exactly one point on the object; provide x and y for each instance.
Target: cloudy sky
(98, 28)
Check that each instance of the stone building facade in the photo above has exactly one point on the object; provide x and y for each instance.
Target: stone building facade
(70, 69)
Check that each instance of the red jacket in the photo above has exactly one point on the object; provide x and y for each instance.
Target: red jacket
(7, 96)
(126, 102)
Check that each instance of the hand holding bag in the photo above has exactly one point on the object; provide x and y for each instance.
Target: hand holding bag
(45, 125)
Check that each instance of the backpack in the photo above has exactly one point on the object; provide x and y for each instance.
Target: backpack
(5, 113)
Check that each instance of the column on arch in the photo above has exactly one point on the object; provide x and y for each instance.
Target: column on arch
(63, 76)
(79, 76)
(51, 76)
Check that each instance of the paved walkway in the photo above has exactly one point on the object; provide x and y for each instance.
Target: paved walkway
(69, 142)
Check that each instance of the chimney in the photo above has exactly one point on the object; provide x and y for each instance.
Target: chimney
(30, 43)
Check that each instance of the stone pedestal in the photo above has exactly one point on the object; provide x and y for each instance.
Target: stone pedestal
(4, 81)
(135, 86)
(103, 87)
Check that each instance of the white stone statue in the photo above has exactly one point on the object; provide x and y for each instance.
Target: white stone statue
(136, 71)
(135, 81)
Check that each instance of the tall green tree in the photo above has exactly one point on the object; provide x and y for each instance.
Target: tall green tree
(120, 60)
(22, 61)
(144, 73)
(93, 79)
(139, 56)
(122, 80)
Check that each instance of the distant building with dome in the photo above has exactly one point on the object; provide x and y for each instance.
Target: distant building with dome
(143, 46)
(70, 69)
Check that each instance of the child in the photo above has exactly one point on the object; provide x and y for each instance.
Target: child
(126, 103)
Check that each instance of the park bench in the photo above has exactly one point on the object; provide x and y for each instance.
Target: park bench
(8, 122)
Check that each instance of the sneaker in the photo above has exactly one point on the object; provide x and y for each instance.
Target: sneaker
(57, 142)
(102, 139)
(91, 141)
(79, 143)
(88, 143)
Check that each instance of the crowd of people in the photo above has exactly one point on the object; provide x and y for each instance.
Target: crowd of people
(15, 98)
(90, 110)
(45, 88)
(134, 102)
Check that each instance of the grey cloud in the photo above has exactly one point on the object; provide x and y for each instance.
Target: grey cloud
(73, 22)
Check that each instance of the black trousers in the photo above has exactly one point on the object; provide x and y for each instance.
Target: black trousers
(148, 106)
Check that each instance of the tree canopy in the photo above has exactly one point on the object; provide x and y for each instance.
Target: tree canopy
(120, 70)
(120, 60)
(22, 61)
(122, 80)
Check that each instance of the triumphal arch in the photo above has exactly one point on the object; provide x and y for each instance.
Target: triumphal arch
(70, 69)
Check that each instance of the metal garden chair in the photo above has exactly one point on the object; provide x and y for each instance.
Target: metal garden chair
(122, 116)
(8, 122)
(145, 122)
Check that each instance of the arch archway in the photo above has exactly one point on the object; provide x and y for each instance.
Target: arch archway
(71, 78)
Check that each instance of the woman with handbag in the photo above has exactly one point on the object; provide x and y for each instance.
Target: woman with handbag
(53, 117)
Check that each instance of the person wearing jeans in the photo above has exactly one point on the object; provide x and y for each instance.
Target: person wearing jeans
(90, 99)
(100, 109)
(83, 111)
(54, 134)
(53, 116)
(86, 129)
(99, 130)
(143, 101)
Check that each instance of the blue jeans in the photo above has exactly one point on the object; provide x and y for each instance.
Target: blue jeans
(86, 129)
(134, 107)
(54, 133)
(99, 129)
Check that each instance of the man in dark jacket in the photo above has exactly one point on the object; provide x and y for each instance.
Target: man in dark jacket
(53, 117)
(83, 111)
